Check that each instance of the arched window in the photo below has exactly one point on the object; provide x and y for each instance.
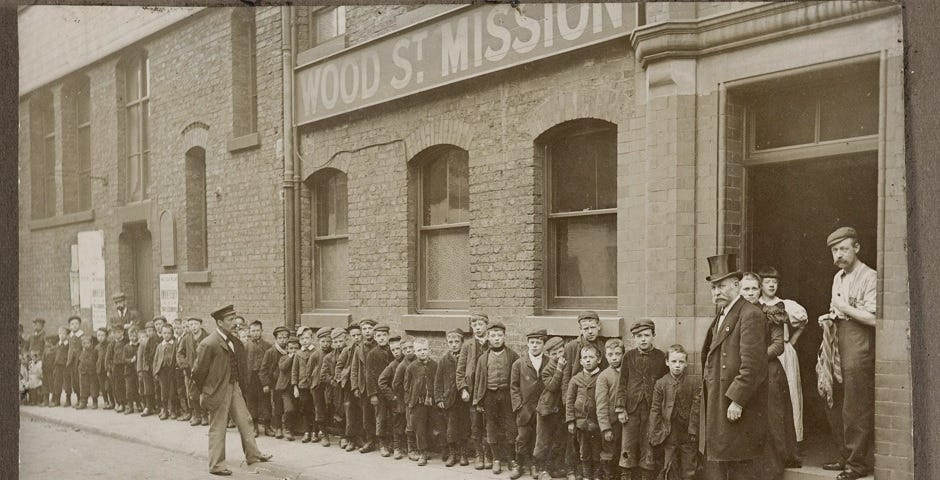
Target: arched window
(330, 239)
(136, 77)
(581, 173)
(42, 155)
(443, 229)
(76, 158)
(244, 72)
(197, 251)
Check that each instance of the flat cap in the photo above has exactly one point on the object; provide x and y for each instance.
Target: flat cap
(644, 324)
(840, 234)
(588, 315)
(223, 312)
(293, 340)
(456, 331)
(74, 317)
(323, 333)
(407, 340)
(479, 316)
(118, 296)
(394, 338)
(496, 326)
(554, 343)
(200, 321)
(381, 328)
(337, 332)
(39, 320)
(367, 321)
(280, 329)
(540, 333)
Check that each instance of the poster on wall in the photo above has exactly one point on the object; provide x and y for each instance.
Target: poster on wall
(91, 276)
(74, 279)
(169, 296)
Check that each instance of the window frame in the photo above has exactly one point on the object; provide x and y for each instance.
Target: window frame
(553, 301)
(422, 303)
(81, 91)
(139, 63)
(330, 238)
(46, 162)
(339, 11)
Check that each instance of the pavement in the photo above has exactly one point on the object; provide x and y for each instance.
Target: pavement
(292, 460)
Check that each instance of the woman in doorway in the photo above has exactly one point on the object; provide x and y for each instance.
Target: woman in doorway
(792, 329)
(781, 441)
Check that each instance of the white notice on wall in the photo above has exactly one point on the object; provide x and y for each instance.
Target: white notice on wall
(91, 276)
(169, 296)
(74, 281)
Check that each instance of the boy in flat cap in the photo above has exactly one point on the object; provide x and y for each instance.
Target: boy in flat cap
(608, 386)
(352, 411)
(445, 395)
(323, 347)
(589, 324)
(268, 375)
(185, 357)
(300, 383)
(491, 396)
(259, 403)
(332, 395)
(641, 367)
(525, 388)
(376, 360)
(357, 377)
(284, 389)
(419, 397)
(465, 378)
(550, 434)
(403, 432)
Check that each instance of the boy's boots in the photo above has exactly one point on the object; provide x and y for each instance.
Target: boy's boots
(479, 465)
(163, 415)
(383, 448)
(94, 404)
(422, 458)
(268, 430)
(516, 469)
(412, 448)
(487, 458)
(289, 434)
(279, 433)
(464, 461)
(306, 438)
(452, 451)
(326, 440)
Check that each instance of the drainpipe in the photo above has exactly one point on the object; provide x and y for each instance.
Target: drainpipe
(287, 185)
(721, 170)
(298, 308)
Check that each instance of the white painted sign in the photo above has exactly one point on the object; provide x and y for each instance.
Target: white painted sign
(169, 296)
(454, 47)
(91, 273)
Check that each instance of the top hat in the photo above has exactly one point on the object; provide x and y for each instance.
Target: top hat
(721, 267)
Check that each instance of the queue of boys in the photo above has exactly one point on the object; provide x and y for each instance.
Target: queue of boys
(586, 408)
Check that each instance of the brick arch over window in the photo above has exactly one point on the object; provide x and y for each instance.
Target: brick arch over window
(195, 134)
(451, 131)
(565, 106)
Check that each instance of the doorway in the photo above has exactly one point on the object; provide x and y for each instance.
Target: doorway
(137, 268)
(791, 208)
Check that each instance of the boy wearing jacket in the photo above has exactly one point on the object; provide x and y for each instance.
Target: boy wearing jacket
(525, 388)
(581, 410)
(445, 395)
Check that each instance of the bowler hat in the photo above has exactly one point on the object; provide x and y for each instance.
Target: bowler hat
(223, 312)
(540, 333)
(840, 234)
(280, 329)
(554, 343)
(644, 324)
(721, 267)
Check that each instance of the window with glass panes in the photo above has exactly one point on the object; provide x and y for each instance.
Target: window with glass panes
(327, 23)
(330, 242)
(244, 72)
(136, 121)
(443, 232)
(76, 165)
(43, 157)
(582, 217)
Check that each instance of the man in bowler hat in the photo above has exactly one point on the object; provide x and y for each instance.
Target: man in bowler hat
(734, 375)
(220, 371)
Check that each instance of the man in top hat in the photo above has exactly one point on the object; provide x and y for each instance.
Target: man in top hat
(525, 388)
(734, 376)
(219, 373)
(124, 315)
(852, 313)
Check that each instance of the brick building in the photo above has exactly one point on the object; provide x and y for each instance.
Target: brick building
(444, 159)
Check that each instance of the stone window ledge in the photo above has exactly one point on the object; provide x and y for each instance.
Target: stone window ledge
(435, 322)
(67, 219)
(335, 319)
(566, 324)
(203, 277)
(243, 142)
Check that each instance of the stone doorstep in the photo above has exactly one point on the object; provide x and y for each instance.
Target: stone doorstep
(278, 468)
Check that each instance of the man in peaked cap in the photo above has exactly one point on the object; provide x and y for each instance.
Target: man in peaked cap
(734, 379)
(852, 312)
(220, 371)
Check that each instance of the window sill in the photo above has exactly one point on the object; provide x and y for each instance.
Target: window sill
(434, 322)
(325, 49)
(67, 219)
(338, 319)
(133, 212)
(190, 278)
(245, 141)
(565, 324)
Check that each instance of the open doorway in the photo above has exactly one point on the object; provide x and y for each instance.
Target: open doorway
(136, 263)
(791, 209)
